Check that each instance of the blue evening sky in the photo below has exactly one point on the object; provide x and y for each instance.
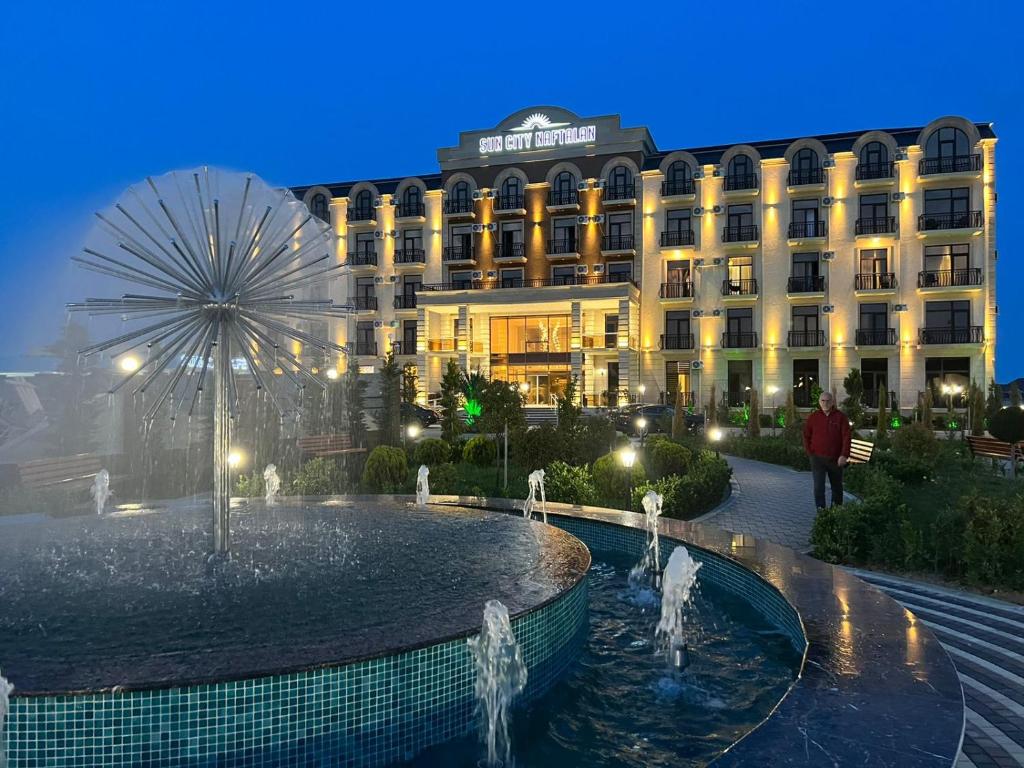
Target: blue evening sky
(95, 96)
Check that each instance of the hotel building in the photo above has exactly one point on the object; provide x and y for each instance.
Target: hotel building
(554, 245)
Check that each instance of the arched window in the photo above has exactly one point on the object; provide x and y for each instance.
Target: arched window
(364, 201)
(874, 162)
(511, 196)
(459, 199)
(678, 179)
(740, 173)
(412, 202)
(460, 191)
(805, 168)
(946, 142)
(319, 207)
(563, 191)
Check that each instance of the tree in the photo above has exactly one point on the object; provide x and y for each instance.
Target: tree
(451, 387)
(473, 386)
(883, 412)
(409, 382)
(679, 417)
(976, 407)
(353, 388)
(852, 404)
(994, 401)
(713, 407)
(569, 411)
(390, 400)
(926, 407)
(502, 403)
(754, 424)
(1015, 394)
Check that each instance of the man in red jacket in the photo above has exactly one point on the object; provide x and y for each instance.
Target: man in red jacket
(827, 443)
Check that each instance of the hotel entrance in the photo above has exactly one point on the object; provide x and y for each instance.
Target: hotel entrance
(533, 353)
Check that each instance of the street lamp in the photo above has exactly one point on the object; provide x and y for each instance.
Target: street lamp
(949, 390)
(129, 364)
(628, 456)
(641, 428)
(715, 436)
(641, 389)
(412, 431)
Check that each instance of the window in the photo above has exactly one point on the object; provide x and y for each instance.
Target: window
(739, 322)
(740, 216)
(947, 208)
(319, 207)
(409, 337)
(364, 244)
(412, 201)
(620, 183)
(412, 239)
(875, 372)
(364, 202)
(741, 379)
(874, 154)
(563, 275)
(511, 243)
(805, 379)
(460, 279)
(741, 275)
(678, 272)
(611, 331)
(563, 232)
(620, 271)
(619, 231)
(805, 221)
(511, 278)
(565, 183)
(741, 166)
(512, 188)
(365, 287)
(946, 142)
(952, 371)
(947, 315)
(805, 160)
(874, 317)
(806, 322)
(460, 192)
(677, 220)
(677, 330)
(679, 179)
(410, 285)
(365, 343)
(677, 379)
(806, 265)
(874, 261)
(956, 258)
(874, 206)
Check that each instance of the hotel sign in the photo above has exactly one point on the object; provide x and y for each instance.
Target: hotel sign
(538, 132)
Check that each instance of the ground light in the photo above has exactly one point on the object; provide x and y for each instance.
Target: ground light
(235, 458)
(412, 431)
(332, 373)
(641, 427)
(628, 457)
(715, 436)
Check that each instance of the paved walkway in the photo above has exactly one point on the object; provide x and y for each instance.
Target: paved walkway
(984, 637)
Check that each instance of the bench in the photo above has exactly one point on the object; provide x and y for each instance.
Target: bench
(860, 451)
(327, 445)
(990, 448)
(69, 473)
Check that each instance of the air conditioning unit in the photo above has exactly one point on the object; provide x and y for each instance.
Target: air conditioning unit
(393, 233)
(716, 172)
(491, 193)
(717, 261)
(378, 233)
(393, 278)
(698, 174)
(598, 218)
(378, 202)
(828, 309)
(716, 312)
(492, 227)
(898, 197)
(581, 269)
(697, 313)
(901, 154)
(828, 162)
(478, 228)
(899, 308)
(698, 262)
(378, 323)
(393, 324)
(378, 280)
(394, 200)
(826, 202)
(478, 276)
(582, 219)
(582, 186)
(696, 365)
(698, 211)
(599, 269)
(477, 194)
(717, 209)
(491, 274)
(828, 255)
(600, 183)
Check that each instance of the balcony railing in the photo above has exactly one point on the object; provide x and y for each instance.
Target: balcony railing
(403, 347)
(746, 287)
(360, 214)
(529, 282)
(410, 209)
(405, 301)
(458, 205)
(739, 234)
(735, 182)
(871, 397)
(948, 278)
(677, 290)
(564, 245)
(807, 229)
(739, 339)
(806, 338)
(677, 238)
(617, 243)
(458, 253)
(678, 187)
(867, 171)
(806, 284)
(508, 203)
(677, 341)
(800, 177)
(874, 281)
(972, 334)
(361, 258)
(876, 337)
(366, 348)
(568, 197)
(510, 251)
(620, 192)
(364, 303)
(955, 164)
(962, 220)
(884, 225)
(410, 256)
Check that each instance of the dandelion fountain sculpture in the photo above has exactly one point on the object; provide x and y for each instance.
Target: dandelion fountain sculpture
(536, 483)
(101, 490)
(423, 486)
(222, 256)
(272, 484)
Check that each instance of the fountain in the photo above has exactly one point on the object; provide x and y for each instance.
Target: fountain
(678, 581)
(536, 482)
(272, 483)
(101, 490)
(422, 486)
(500, 677)
(650, 563)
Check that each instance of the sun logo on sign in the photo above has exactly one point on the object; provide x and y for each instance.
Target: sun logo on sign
(537, 120)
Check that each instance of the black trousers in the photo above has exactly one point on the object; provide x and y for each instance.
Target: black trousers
(820, 467)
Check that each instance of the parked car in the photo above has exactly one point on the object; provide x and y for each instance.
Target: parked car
(659, 418)
(415, 413)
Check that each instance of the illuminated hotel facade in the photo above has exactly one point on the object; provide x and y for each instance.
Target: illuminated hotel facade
(554, 246)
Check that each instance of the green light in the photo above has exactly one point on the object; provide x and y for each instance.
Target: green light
(473, 409)
(895, 422)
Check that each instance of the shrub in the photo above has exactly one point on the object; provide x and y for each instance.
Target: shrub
(1007, 424)
(594, 437)
(840, 534)
(538, 446)
(569, 484)
(665, 457)
(252, 485)
(444, 479)
(905, 467)
(916, 439)
(947, 537)
(994, 541)
(770, 449)
(611, 480)
(481, 451)
(386, 469)
(432, 452)
(690, 495)
(318, 477)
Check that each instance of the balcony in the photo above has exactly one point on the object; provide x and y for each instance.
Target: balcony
(507, 252)
(363, 303)
(402, 348)
(458, 254)
(410, 256)
(957, 165)
(618, 245)
(806, 177)
(739, 340)
(410, 211)
(361, 216)
(405, 301)
(601, 341)
(361, 259)
(738, 184)
(972, 334)
(529, 282)
(800, 231)
(678, 290)
(459, 207)
(874, 173)
(746, 287)
(884, 225)
(806, 284)
(874, 281)
(564, 248)
(744, 234)
(680, 238)
(568, 200)
(949, 278)
(955, 223)
(678, 189)
(509, 204)
(806, 339)
(875, 337)
(367, 348)
(620, 194)
(677, 341)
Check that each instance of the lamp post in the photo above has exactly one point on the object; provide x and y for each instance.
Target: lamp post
(949, 390)
(772, 391)
(412, 431)
(641, 389)
(641, 428)
(715, 436)
(628, 456)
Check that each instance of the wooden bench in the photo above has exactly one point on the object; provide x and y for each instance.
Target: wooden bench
(860, 451)
(69, 473)
(327, 445)
(990, 448)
